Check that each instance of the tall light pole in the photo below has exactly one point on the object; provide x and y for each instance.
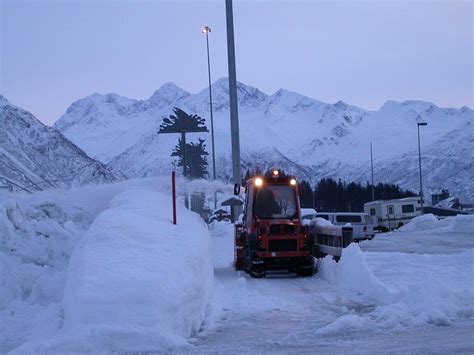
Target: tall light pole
(372, 170)
(234, 115)
(418, 124)
(206, 31)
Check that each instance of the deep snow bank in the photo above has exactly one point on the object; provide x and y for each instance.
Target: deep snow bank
(136, 282)
(429, 222)
(38, 233)
(399, 290)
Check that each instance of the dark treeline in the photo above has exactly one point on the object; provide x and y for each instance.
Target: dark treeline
(337, 195)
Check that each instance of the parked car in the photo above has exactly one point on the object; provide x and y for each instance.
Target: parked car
(361, 223)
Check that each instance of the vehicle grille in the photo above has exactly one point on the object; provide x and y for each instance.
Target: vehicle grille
(282, 229)
(282, 245)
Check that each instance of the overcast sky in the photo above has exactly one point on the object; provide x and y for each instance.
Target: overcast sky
(363, 52)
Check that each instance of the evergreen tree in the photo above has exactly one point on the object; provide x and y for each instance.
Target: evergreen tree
(332, 196)
(196, 158)
(306, 199)
(183, 123)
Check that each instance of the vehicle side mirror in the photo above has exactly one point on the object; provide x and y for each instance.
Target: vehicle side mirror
(236, 189)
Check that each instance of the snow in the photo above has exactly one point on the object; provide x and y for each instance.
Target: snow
(416, 290)
(352, 273)
(308, 211)
(459, 223)
(34, 156)
(308, 138)
(414, 296)
(101, 268)
(321, 222)
(222, 244)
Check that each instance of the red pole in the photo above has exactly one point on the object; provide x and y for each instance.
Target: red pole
(173, 192)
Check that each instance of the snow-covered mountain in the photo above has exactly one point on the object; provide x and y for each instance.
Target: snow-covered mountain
(34, 156)
(304, 136)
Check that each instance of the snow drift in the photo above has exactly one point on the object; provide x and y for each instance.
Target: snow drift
(103, 264)
(135, 278)
(399, 290)
(459, 223)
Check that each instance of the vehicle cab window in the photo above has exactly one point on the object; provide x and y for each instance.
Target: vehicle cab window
(275, 201)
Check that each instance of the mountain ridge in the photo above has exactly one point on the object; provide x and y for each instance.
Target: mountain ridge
(322, 138)
(34, 156)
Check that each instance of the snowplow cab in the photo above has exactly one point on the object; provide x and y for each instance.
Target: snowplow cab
(271, 235)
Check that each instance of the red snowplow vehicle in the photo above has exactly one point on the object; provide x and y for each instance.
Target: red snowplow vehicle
(270, 235)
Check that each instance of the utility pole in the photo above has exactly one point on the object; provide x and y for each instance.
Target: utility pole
(372, 170)
(418, 124)
(234, 117)
(206, 30)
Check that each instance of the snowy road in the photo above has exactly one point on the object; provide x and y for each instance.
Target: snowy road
(283, 313)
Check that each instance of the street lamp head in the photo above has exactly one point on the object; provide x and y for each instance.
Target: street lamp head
(206, 29)
(422, 124)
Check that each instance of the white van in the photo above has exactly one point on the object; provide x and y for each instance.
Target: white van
(361, 223)
(391, 214)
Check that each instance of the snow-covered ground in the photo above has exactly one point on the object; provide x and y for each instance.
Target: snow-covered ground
(406, 291)
(102, 269)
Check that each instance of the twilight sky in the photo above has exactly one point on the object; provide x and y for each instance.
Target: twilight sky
(54, 52)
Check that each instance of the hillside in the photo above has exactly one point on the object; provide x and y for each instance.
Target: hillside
(34, 156)
(305, 136)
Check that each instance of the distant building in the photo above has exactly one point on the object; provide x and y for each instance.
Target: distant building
(436, 198)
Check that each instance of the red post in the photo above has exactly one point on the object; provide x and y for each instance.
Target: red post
(173, 192)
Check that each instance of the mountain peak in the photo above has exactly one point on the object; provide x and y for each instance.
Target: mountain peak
(167, 94)
(414, 106)
(283, 95)
(341, 104)
(4, 101)
(247, 96)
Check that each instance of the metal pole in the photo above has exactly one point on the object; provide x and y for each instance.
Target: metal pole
(419, 162)
(210, 106)
(207, 29)
(173, 193)
(234, 116)
(372, 169)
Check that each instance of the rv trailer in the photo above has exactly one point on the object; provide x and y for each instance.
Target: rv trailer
(391, 214)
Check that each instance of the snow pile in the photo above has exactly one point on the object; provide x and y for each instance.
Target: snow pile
(424, 222)
(353, 274)
(320, 222)
(222, 243)
(343, 324)
(459, 223)
(396, 290)
(37, 236)
(135, 281)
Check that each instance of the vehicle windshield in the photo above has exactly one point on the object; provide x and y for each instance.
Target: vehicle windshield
(275, 201)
